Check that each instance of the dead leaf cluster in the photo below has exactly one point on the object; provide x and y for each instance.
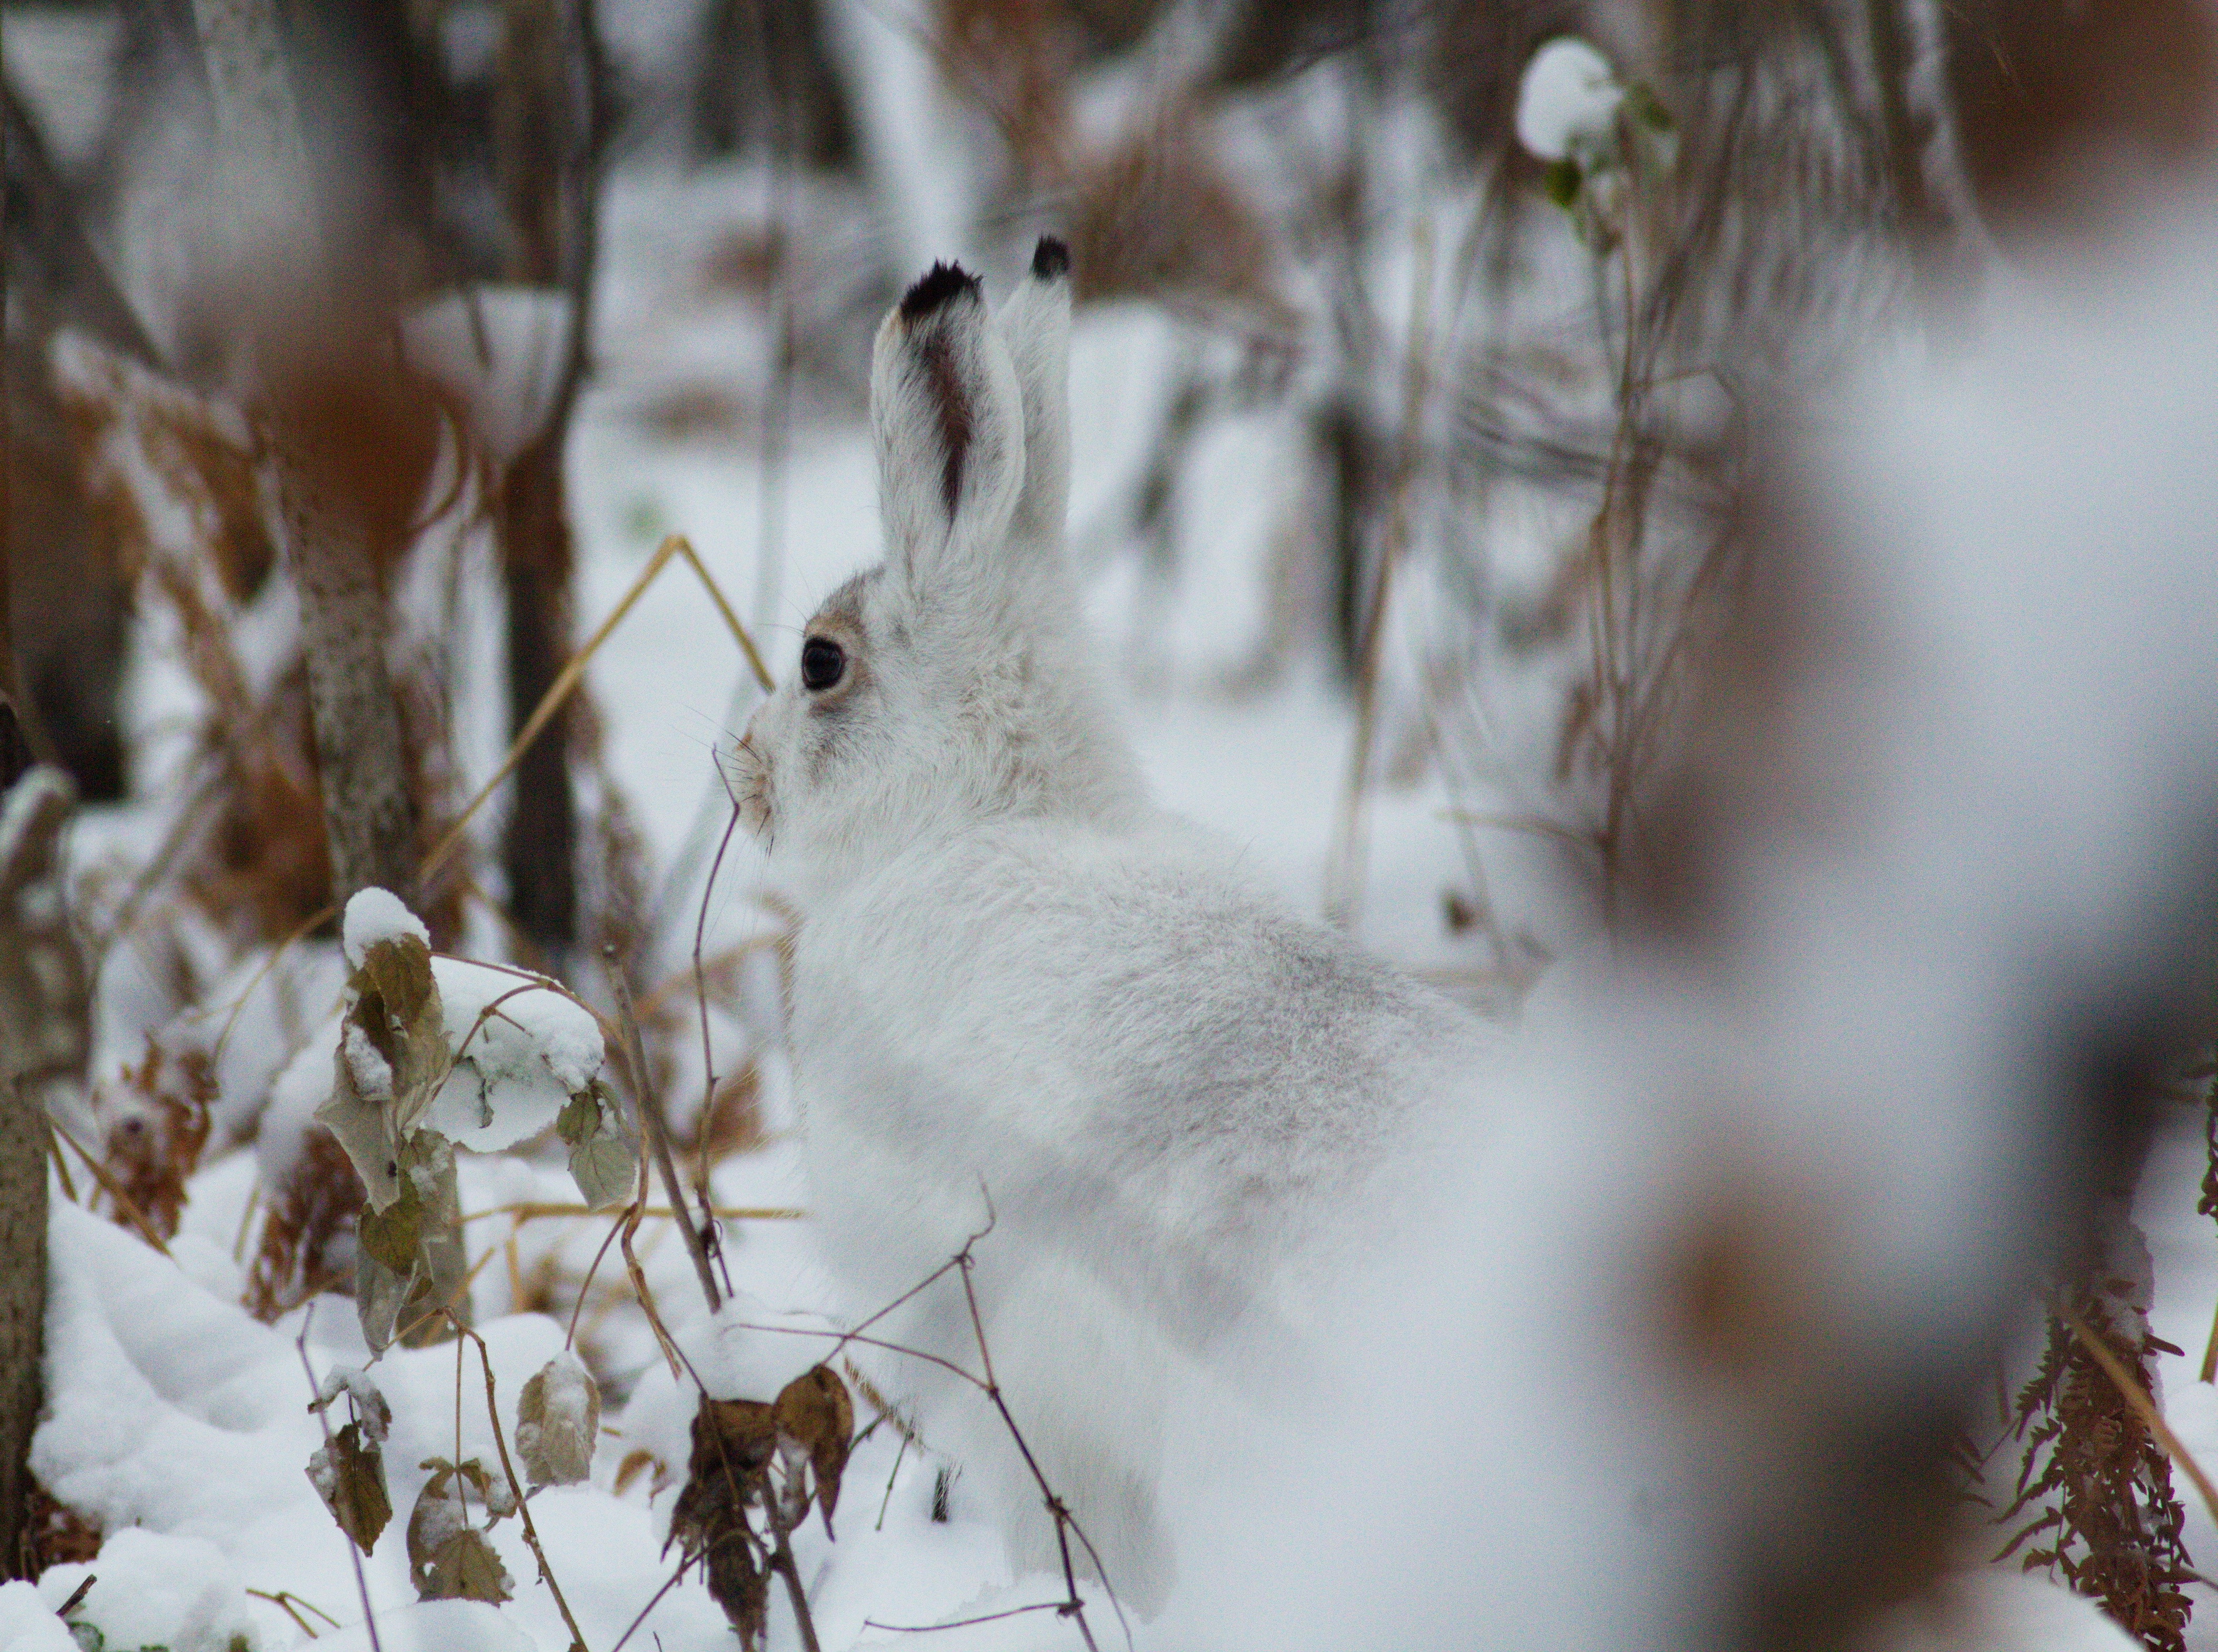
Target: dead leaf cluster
(2094, 1487)
(309, 1236)
(159, 1128)
(754, 1469)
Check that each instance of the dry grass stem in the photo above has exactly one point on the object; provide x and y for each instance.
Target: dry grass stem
(532, 1212)
(572, 673)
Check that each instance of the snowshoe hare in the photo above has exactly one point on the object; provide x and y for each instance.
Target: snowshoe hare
(1017, 980)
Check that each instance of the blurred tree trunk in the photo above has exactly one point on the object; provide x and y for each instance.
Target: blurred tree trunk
(64, 572)
(43, 1004)
(1908, 133)
(23, 1142)
(769, 81)
(315, 424)
(548, 127)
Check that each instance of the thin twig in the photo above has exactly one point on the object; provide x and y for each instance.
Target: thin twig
(61, 1164)
(532, 1212)
(625, 1230)
(1073, 1605)
(965, 1623)
(284, 1600)
(585, 1288)
(783, 1563)
(300, 933)
(656, 1133)
(560, 689)
(323, 1416)
(78, 1594)
(701, 998)
(516, 1487)
(886, 1502)
(654, 1601)
(1065, 1521)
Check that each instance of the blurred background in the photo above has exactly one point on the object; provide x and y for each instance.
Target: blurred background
(1443, 386)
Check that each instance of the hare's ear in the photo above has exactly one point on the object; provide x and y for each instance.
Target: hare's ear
(949, 423)
(1036, 323)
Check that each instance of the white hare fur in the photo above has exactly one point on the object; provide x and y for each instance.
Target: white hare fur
(1015, 979)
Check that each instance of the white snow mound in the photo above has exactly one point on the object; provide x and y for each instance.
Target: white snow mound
(523, 1049)
(1567, 99)
(375, 915)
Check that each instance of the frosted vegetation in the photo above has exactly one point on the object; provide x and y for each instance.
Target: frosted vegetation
(1661, 574)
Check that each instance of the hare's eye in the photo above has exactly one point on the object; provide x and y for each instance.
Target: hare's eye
(823, 662)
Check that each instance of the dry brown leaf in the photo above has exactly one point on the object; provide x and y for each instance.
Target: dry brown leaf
(636, 1463)
(348, 1472)
(733, 1444)
(815, 1413)
(558, 1418)
(421, 1230)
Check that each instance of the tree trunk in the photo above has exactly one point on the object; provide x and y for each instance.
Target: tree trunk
(542, 847)
(368, 812)
(548, 130)
(43, 1004)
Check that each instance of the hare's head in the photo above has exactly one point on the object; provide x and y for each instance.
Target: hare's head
(950, 684)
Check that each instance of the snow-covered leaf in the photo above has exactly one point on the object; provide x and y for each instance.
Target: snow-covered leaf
(523, 1048)
(366, 1400)
(558, 1418)
(395, 1042)
(348, 1472)
(392, 1046)
(449, 1558)
(1567, 99)
(463, 1567)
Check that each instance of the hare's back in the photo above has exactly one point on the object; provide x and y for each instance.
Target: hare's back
(1119, 1020)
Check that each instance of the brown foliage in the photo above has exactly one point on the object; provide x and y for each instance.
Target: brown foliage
(55, 1534)
(2050, 92)
(808, 1428)
(734, 1442)
(2096, 1484)
(156, 1142)
(307, 1243)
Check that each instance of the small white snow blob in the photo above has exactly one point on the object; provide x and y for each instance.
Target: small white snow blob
(375, 915)
(1567, 99)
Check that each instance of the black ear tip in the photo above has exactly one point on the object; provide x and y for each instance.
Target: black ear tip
(939, 286)
(1050, 258)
